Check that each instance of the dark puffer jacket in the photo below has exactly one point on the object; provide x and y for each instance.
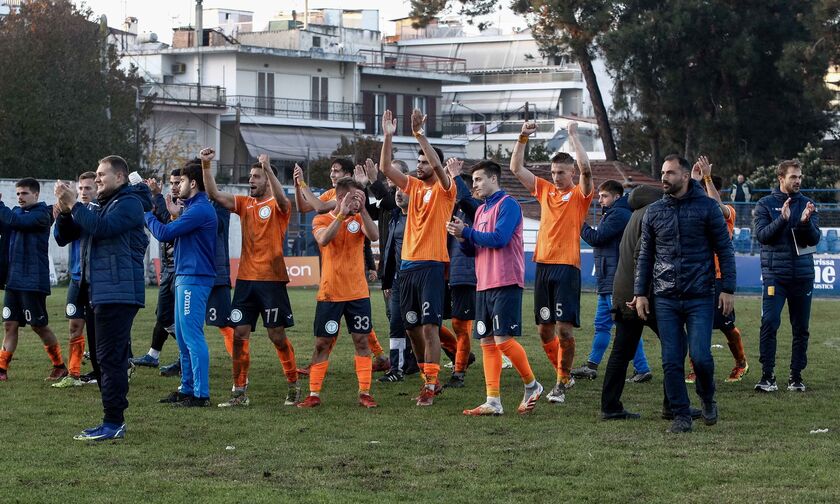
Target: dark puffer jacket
(628, 249)
(605, 240)
(778, 253)
(114, 243)
(679, 239)
(24, 247)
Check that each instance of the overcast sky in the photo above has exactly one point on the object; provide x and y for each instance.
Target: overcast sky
(160, 16)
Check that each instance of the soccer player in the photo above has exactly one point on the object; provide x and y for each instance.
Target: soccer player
(165, 311)
(194, 235)
(563, 207)
(74, 310)
(496, 243)
(306, 201)
(341, 234)
(261, 281)
(605, 241)
(431, 197)
(702, 173)
(787, 224)
(25, 274)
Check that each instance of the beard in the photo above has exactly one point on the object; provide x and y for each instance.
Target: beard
(672, 188)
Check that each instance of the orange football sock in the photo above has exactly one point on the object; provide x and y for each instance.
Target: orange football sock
(565, 357)
(492, 368)
(552, 349)
(373, 344)
(54, 351)
(364, 370)
(77, 352)
(736, 346)
(519, 358)
(5, 357)
(447, 340)
(463, 331)
(241, 362)
(317, 372)
(287, 360)
(431, 372)
(227, 336)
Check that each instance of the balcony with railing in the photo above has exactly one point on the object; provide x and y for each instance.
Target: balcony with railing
(416, 62)
(468, 128)
(192, 95)
(291, 108)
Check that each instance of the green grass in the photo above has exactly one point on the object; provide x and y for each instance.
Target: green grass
(761, 451)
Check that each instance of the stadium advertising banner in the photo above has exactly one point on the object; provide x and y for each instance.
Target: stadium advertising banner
(748, 267)
(302, 271)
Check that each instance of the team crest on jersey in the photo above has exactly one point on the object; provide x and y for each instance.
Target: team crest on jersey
(480, 328)
(353, 226)
(545, 313)
(331, 327)
(235, 316)
(6, 312)
(70, 309)
(411, 317)
(428, 196)
(566, 197)
(264, 212)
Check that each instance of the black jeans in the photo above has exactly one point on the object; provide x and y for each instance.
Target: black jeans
(628, 332)
(109, 337)
(798, 297)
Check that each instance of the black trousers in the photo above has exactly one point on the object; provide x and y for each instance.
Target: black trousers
(109, 339)
(628, 332)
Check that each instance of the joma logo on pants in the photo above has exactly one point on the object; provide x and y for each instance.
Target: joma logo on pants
(187, 295)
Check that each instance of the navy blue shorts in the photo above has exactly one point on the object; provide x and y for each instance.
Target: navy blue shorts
(255, 298)
(463, 302)
(25, 307)
(328, 315)
(557, 294)
(74, 309)
(421, 295)
(218, 307)
(722, 322)
(498, 312)
(165, 312)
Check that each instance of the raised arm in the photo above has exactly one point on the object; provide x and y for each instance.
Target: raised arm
(369, 227)
(418, 121)
(275, 185)
(325, 234)
(227, 200)
(705, 169)
(517, 159)
(585, 180)
(389, 127)
(301, 202)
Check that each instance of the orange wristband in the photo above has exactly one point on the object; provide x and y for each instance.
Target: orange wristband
(523, 139)
(205, 164)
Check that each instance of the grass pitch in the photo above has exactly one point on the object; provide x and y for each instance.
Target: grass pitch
(762, 450)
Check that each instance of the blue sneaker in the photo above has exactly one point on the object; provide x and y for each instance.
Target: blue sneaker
(102, 432)
(146, 361)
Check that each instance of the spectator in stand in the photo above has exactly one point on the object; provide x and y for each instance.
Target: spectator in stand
(741, 194)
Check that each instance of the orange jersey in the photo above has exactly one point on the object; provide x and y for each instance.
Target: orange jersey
(429, 209)
(561, 216)
(730, 226)
(342, 260)
(264, 227)
(327, 195)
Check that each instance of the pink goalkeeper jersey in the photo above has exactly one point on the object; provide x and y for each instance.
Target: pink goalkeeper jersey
(498, 267)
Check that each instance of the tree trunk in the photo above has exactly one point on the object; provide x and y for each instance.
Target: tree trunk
(654, 154)
(585, 62)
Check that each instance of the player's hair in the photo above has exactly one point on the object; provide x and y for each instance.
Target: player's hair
(194, 161)
(402, 164)
(717, 181)
(612, 186)
(344, 184)
(176, 172)
(787, 164)
(347, 166)
(88, 175)
(683, 162)
(117, 164)
(193, 172)
(437, 150)
(490, 168)
(29, 183)
(259, 165)
(562, 158)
